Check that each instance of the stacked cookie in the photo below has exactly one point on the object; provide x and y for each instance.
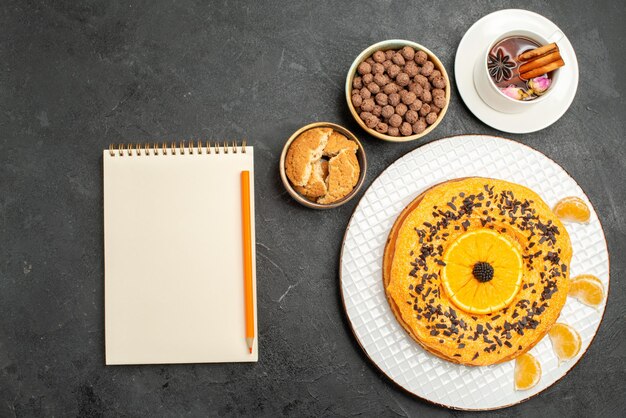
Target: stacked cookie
(322, 166)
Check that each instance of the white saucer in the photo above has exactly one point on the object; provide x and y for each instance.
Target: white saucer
(538, 116)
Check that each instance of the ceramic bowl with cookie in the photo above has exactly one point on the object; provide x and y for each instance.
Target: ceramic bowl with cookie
(323, 165)
(398, 90)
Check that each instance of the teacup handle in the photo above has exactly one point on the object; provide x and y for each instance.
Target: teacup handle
(556, 36)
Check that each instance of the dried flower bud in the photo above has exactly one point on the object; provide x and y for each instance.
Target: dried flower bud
(514, 92)
(540, 84)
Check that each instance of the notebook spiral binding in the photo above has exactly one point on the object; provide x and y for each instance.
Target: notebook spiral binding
(182, 148)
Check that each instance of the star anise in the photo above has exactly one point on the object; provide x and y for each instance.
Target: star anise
(500, 66)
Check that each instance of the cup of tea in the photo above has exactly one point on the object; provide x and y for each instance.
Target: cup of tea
(497, 75)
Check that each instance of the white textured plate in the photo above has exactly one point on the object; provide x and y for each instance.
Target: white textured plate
(537, 116)
(375, 327)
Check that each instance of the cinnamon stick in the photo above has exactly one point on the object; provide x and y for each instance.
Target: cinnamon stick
(537, 52)
(539, 62)
(542, 70)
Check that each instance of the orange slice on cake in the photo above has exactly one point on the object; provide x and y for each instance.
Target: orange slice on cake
(482, 272)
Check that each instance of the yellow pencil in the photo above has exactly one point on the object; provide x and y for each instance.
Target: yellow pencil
(247, 258)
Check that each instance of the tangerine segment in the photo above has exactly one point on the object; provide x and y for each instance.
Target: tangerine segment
(588, 289)
(481, 295)
(565, 341)
(572, 209)
(527, 371)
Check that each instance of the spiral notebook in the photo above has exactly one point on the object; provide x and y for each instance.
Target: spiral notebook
(174, 253)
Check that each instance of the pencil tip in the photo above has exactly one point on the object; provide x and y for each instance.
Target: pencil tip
(250, 348)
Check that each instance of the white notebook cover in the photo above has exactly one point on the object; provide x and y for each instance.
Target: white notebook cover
(174, 258)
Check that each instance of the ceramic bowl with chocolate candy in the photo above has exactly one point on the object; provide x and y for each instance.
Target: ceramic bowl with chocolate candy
(397, 90)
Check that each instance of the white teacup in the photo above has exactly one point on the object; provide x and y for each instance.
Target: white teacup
(488, 90)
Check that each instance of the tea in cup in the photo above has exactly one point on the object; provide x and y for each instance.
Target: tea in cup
(518, 69)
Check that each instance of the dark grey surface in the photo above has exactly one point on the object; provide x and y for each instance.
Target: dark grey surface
(76, 76)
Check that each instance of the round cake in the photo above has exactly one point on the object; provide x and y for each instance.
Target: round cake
(476, 270)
